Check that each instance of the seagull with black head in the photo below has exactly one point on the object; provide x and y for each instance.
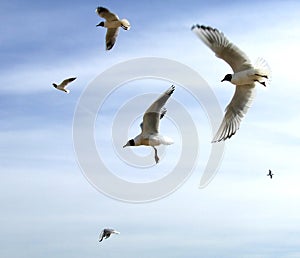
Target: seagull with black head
(113, 24)
(150, 135)
(244, 76)
(62, 86)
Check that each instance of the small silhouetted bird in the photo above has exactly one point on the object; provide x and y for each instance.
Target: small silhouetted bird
(270, 174)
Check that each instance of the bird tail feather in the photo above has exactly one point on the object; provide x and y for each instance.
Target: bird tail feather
(262, 67)
(125, 24)
(167, 140)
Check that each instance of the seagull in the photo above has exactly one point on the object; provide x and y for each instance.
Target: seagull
(105, 233)
(62, 86)
(112, 23)
(244, 77)
(270, 174)
(150, 126)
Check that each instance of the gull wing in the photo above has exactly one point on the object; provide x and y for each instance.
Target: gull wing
(162, 114)
(66, 81)
(235, 111)
(152, 115)
(223, 48)
(106, 14)
(101, 236)
(111, 37)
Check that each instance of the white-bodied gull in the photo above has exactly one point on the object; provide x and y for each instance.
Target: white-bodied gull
(244, 77)
(150, 126)
(113, 24)
(105, 233)
(62, 86)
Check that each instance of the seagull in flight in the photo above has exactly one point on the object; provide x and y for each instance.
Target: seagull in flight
(62, 86)
(113, 24)
(150, 126)
(244, 77)
(270, 174)
(105, 233)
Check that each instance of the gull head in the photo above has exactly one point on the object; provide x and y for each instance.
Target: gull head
(129, 143)
(100, 24)
(228, 77)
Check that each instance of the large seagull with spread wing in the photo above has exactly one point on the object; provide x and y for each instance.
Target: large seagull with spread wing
(113, 24)
(244, 77)
(150, 126)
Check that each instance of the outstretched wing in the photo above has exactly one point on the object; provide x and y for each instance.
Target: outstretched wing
(101, 236)
(152, 115)
(106, 14)
(162, 114)
(235, 111)
(67, 81)
(222, 47)
(111, 37)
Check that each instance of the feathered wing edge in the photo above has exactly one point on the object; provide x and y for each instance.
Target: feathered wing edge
(222, 47)
(264, 69)
(111, 37)
(152, 115)
(235, 111)
(230, 124)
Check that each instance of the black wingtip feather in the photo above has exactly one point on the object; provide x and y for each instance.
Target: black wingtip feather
(195, 26)
(203, 27)
(109, 46)
(171, 90)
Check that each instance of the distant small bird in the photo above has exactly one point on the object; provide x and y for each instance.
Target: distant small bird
(62, 86)
(270, 174)
(150, 126)
(105, 233)
(113, 24)
(244, 77)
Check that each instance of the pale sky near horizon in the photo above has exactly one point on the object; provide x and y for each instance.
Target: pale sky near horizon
(49, 209)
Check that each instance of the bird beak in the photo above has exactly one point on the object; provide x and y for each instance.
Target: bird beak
(223, 80)
(127, 144)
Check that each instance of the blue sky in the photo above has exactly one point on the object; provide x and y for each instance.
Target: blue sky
(49, 209)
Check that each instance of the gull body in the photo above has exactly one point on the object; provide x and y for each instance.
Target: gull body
(62, 86)
(106, 233)
(150, 135)
(244, 78)
(113, 24)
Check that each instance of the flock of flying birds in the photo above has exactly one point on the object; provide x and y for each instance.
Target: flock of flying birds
(245, 76)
